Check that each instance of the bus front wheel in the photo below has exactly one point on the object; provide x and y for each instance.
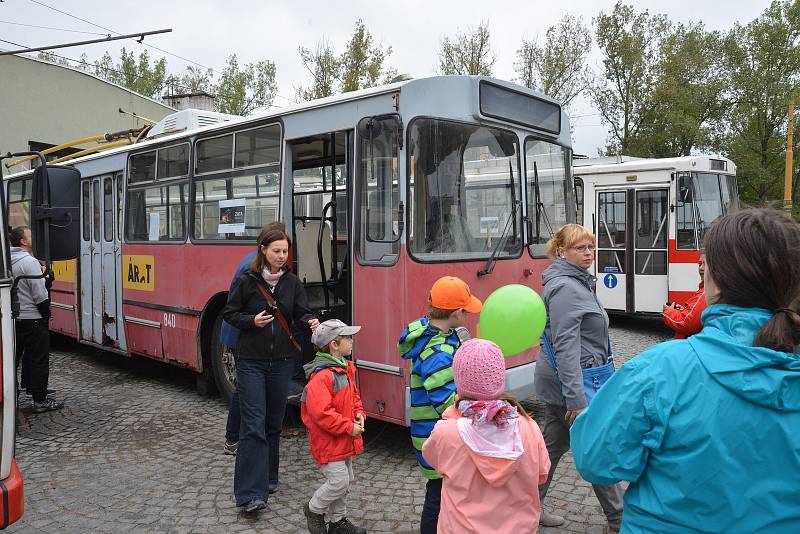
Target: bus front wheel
(223, 363)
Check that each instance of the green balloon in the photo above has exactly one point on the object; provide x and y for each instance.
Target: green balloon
(513, 316)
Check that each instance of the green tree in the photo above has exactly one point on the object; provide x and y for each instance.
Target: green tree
(361, 65)
(138, 75)
(688, 100)
(195, 79)
(104, 66)
(324, 67)
(558, 67)
(764, 71)
(468, 53)
(242, 90)
(623, 93)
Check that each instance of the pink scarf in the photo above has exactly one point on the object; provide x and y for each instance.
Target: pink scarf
(271, 279)
(490, 428)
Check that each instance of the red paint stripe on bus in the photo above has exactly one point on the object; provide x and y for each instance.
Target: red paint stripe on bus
(682, 256)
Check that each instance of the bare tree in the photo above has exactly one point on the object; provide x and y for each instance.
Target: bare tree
(558, 67)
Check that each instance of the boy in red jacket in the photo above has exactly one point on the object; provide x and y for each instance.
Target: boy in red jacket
(684, 318)
(331, 410)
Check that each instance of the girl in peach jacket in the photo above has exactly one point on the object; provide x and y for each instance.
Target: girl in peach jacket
(490, 453)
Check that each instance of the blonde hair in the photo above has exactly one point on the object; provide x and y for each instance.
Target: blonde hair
(566, 237)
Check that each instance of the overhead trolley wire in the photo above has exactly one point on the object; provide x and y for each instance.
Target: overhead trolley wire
(48, 28)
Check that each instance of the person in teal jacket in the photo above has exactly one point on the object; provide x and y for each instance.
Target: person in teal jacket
(707, 429)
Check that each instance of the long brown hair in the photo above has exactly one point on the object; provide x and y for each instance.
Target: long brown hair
(753, 257)
(271, 232)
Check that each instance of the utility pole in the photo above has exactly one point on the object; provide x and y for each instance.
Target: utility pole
(787, 177)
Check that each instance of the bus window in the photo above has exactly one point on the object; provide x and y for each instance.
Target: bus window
(579, 200)
(685, 236)
(377, 187)
(96, 210)
(257, 149)
(173, 161)
(261, 146)
(464, 183)
(87, 213)
(259, 192)
(19, 203)
(702, 197)
(108, 209)
(611, 226)
(163, 207)
(549, 191)
(119, 207)
(214, 154)
(142, 168)
(651, 232)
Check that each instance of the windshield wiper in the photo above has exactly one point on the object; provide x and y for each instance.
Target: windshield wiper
(510, 222)
(540, 211)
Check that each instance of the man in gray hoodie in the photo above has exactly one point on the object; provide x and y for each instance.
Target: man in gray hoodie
(33, 334)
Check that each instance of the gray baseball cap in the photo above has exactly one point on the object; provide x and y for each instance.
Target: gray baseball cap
(328, 330)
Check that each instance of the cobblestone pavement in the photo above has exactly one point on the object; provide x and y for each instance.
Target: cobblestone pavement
(136, 449)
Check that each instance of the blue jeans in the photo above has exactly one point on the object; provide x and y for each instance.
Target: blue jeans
(430, 508)
(262, 386)
(234, 418)
(234, 412)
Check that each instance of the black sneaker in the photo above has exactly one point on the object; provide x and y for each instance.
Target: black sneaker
(272, 488)
(49, 405)
(230, 447)
(344, 526)
(314, 522)
(254, 506)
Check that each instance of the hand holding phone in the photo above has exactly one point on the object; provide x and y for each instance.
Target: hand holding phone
(263, 319)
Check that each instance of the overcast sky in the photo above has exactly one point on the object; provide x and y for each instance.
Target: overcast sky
(206, 32)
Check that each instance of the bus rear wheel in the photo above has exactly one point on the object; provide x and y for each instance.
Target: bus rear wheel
(223, 364)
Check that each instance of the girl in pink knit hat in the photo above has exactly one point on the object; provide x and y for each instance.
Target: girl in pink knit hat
(487, 449)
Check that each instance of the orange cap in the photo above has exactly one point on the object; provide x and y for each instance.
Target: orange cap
(451, 293)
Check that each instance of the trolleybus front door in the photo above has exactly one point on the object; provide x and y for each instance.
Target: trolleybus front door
(632, 230)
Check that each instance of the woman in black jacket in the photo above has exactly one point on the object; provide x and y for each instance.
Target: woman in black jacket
(264, 362)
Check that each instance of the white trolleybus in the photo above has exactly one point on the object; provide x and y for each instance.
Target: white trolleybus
(650, 217)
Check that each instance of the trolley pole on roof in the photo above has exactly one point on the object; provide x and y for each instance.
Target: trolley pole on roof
(787, 178)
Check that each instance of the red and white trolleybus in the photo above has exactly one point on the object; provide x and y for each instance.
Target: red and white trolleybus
(651, 217)
(383, 191)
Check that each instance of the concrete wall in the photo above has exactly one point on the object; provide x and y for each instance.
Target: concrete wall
(54, 104)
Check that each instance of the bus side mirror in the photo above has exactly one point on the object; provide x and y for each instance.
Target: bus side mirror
(55, 217)
(685, 189)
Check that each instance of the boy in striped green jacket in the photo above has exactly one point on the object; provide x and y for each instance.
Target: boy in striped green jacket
(430, 343)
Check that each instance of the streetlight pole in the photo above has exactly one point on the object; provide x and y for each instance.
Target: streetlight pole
(787, 178)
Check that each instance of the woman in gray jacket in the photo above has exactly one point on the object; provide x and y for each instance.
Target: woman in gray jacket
(577, 326)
